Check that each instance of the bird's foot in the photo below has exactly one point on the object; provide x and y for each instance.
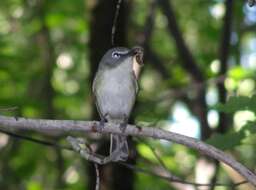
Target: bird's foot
(80, 146)
(122, 152)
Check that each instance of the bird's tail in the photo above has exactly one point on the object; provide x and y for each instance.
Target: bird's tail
(119, 148)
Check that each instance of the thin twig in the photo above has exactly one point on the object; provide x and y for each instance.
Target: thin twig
(96, 166)
(161, 162)
(174, 180)
(34, 140)
(97, 186)
(113, 31)
(9, 109)
(80, 146)
(177, 179)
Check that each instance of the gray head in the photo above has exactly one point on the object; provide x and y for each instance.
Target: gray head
(119, 55)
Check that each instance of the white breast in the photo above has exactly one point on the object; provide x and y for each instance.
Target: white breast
(117, 94)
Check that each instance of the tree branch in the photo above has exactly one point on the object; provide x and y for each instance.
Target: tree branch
(174, 179)
(224, 55)
(82, 127)
(189, 63)
(150, 55)
(170, 177)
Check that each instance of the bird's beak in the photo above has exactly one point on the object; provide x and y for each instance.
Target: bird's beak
(137, 53)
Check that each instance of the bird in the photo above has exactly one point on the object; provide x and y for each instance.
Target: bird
(115, 88)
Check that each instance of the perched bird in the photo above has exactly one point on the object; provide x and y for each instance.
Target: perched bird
(115, 88)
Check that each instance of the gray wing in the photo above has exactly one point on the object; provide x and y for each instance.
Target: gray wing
(94, 85)
(94, 90)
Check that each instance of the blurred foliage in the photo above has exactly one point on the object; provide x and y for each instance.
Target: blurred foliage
(237, 103)
(231, 140)
(29, 35)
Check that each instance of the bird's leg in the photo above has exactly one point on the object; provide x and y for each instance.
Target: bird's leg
(123, 125)
(118, 144)
(102, 122)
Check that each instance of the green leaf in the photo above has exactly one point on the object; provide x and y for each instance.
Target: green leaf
(226, 141)
(249, 128)
(239, 73)
(233, 139)
(33, 185)
(238, 103)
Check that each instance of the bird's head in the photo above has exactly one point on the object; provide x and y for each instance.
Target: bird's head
(120, 55)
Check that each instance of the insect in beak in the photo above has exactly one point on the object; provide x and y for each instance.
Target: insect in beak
(137, 53)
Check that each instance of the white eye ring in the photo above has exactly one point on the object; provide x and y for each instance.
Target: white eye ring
(115, 55)
(118, 54)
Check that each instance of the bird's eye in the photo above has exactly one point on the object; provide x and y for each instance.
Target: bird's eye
(115, 55)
